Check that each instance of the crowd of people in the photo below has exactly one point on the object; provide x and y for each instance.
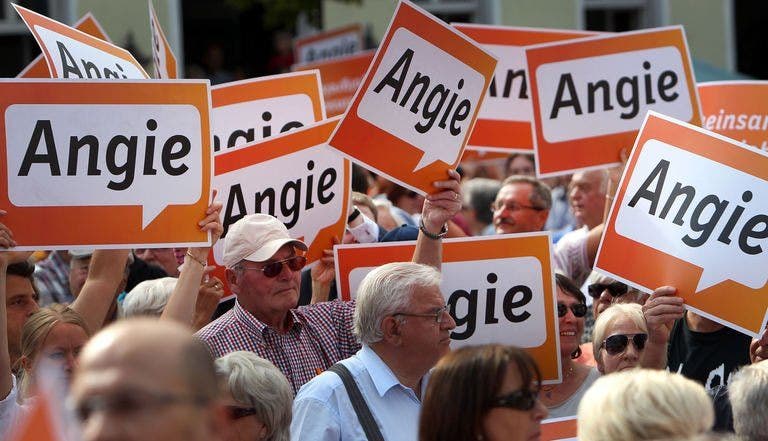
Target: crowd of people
(148, 350)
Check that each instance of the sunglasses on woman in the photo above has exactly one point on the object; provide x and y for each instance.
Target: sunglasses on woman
(615, 289)
(237, 412)
(578, 309)
(617, 344)
(295, 263)
(523, 399)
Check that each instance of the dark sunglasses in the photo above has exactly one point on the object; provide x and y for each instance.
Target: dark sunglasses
(616, 344)
(578, 309)
(295, 263)
(236, 412)
(615, 289)
(523, 399)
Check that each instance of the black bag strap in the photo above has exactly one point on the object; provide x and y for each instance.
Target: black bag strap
(364, 414)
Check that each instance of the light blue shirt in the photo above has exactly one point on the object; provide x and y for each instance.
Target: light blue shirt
(322, 409)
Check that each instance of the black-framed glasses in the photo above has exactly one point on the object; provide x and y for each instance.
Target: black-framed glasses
(237, 412)
(523, 399)
(513, 206)
(615, 289)
(438, 315)
(617, 344)
(273, 269)
(578, 309)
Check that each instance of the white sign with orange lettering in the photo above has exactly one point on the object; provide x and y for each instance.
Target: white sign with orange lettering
(673, 224)
(506, 116)
(736, 109)
(294, 177)
(335, 43)
(247, 111)
(108, 163)
(74, 54)
(162, 55)
(590, 95)
(498, 289)
(413, 114)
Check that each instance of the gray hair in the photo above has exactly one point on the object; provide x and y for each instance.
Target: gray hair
(255, 382)
(748, 391)
(386, 290)
(479, 194)
(541, 196)
(607, 318)
(148, 298)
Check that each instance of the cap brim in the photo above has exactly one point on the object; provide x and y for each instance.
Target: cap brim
(270, 248)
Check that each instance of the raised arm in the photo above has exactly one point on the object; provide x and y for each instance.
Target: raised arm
(105, 273)
(661, 310)
(439, 208)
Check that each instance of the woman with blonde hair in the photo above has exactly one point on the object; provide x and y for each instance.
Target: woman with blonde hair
(619, 338)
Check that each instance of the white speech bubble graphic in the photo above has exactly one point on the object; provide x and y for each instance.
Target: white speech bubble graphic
(39, 187)
(82, 53)
(251, 121)
(388, 110)
(500, 280)
(568, 125)
(719, 260)
(512, 97)
(287, 189)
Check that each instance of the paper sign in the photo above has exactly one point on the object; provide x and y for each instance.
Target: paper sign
(559, 429)
(590, 95)
(413, 114)
(335, 43)
(74, 54)
(248, 111)
(340, 78)
(110, 164)
(38, 67)
(505, 119)
(294, 177)
(162, 55)
(498, 289)
(736, 109)
(691, 213)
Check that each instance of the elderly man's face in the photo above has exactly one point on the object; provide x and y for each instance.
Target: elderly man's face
(513, 211)
(78, 273)
(424, 340)
(587, 197)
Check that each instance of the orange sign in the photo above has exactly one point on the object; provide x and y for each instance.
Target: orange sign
(415, 109)
(590, 95)
(340, 78)
(335, 43)
(559, 429)
(111, 164)
(294, 177)
(162, 55)
(673, 224)
(247, 111)
(736, 109)
(39, 69)
(505, 119)
(71, 53)
(498, 289)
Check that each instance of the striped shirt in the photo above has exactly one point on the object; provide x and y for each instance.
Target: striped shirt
(318, 336)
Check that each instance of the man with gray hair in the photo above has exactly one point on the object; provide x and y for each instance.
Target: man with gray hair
(748, 391)
(404, 326)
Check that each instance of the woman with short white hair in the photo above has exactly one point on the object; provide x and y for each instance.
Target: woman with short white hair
(619, 338)
(644, 404)
(148, 298)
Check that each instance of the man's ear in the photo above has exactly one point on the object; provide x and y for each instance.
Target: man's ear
(231, 277)
(391, 328)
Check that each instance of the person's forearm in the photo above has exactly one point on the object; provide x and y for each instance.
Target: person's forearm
(105, 274)
(181, 304)
(429, 251)
(6, 382)
(655, 355)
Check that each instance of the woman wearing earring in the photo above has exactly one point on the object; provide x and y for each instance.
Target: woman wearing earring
(563, 399)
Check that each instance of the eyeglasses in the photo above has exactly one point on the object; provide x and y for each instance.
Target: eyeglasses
(615, 289)
(438, 315)
(514, 206)
(273, 269)
(578, 309)
(237, 412)
(617, 344)
(523, 399)
(129, 404)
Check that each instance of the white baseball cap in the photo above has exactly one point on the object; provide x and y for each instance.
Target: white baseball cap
(256, 237)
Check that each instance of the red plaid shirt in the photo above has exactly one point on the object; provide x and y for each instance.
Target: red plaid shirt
(319, 336)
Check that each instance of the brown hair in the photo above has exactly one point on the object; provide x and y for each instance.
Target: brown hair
(462, 388)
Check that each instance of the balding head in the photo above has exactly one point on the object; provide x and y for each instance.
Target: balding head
(146, 379)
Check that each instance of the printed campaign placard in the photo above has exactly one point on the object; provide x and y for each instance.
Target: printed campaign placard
(340, 78)
(736, 109)
(105, 164)
(412, 115)
(506, 116)
(590, 95)
(247, 111)
(499, 289)
(691, 213)
(559, 429)
(71, 53)
(294, 177)
(162, 55)
(334, 43)
(38, 67)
